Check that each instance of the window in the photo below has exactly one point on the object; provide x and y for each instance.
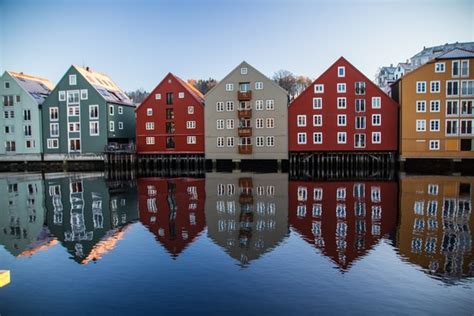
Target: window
(360, 105)
(158, 96)
(376, 138)
(229, 106)
(72, 80)
(341, 103)
(220, 124)
(94, 128)
(191, 140)
(18, 98)
(73, 97)
(259, 141)
(259, 105)
(27, 130)
(243, 71)
(317, 103)
(467, 87)
(341, 71)
(317, 120)
(318, 88)
(420, 86)
(84, 94)
(229, 123)
(341, 88)
(360, 88)
(376, 102)
(301, 138)
(8, 100)
(435, 86)
(259, 123)
(466, 127)
(270, 104)
(169, 98)
(301, 120)
(434, 144)
(62, 95)
(317, 138)
(258, 85)
(93, 111)
(149, 126)
(54, 129)
(73, 110)
(467, 107)
(180, 95)
(190, 109)
(120, 125)
(376, 119)
(149, 112)
(455, 68)
(191, 124)
(111, 109)
(439, 67)
(112, 126)
(341, 137)
(7, 85)
(420, 106)
(27, 115)
(420, 125)
(30, 144)
(52, 143)
(318, 194)
(10, 146)
(220, 107)
(74, 145)
(452, 108)
(464, 68)
(74, 127)
(9, 129)
(169, 114)
(359, 140)
(229, 87)
(341, 194)
(452, 88)
(434, 106)
(230, 141)
(120, 110)
(451, 127)
(170, 127)
(434, 125)
(150, 140)
(270, 123)
(341, 120)
(270, 141)
(360, 122)
(220, 141)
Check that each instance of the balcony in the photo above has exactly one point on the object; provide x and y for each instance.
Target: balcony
(245, 149)
(244, 113)
(245, 198)
(245, 131)
(245, 182)
(244, 95)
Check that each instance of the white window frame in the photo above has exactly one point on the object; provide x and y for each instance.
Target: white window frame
(56, 129)
(270, 141)
(230, 141)
(150, 140)
(301, 120)
(229, 87)
(191, 140)
(259, 85)
(457, 90)
(432, 102)
(220, 124)
(220, 142)
(149, 112)
(374, 118)
(190, 109)
(149, 126)
(374, 135)
(180, 95)
(420, 106)
(53, 143)
(72, 80)
(434, 144)
(220, 106)
(270, 122)
(91, 107)
(317, 103)
(157, 96)
(62, 95)
(339, 137)
(259, 141)
(270, 105)
(342, 117)
(438, 125)
(438, 85)
(84, 94)
(243, 71)
(341, 71)
(259, 105)
(190, 124)
(317, 120)
(229, 124)
(259, 123)
(319, 88)
(120, 125)
(342, 100)
(229, 106)
(420, 125)
(341, 88)
(90, 128)
(301, 138)
(318, 138)
(376, 102)
(440, 67)
(420, 87)
(111, 126)
(51, 110)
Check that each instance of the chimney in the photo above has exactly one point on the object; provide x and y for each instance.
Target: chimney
(87, 68)
(391, 65)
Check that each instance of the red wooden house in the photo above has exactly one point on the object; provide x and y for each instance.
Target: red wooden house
(173, 210)
(343, 111)
(171, 119)
(343, 219)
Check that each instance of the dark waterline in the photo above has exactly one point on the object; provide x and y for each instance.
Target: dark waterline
(239, 243)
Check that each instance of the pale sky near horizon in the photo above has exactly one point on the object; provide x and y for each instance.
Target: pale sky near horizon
(138, 42)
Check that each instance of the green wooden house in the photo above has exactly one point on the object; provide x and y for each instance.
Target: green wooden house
(20, 121)
(86, 114)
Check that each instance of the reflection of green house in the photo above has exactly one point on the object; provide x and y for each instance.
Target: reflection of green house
(21, 212)
(85, 216)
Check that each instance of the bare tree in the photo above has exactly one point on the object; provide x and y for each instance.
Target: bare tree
(203, 85)
(138, 95)
(291, 83)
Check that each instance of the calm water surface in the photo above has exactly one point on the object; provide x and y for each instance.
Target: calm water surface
(236, 243)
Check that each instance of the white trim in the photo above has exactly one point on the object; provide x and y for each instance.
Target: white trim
(304, 138)
(319, 88)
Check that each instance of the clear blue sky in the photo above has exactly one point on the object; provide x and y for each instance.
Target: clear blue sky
(137, 42)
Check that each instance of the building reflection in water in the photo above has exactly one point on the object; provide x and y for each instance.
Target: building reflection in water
(247, 214)
(173, 210)
(343, 219)
(86, 215)
(436, 225)
(22, 229)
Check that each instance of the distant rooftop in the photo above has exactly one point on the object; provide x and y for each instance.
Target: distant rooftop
(39, 88)
(457, 53)
(441, 49)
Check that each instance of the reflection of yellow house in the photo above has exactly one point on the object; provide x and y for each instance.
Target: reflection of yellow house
(436, 224)
(437, 108)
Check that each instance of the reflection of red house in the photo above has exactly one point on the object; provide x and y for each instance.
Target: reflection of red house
(173, 210)
(343, 219)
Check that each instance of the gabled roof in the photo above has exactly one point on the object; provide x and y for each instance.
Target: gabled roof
(246, 64)
(457, 53)
(38, 88)
(104, 86)
(441, 49)
(405, 66)
(195, 93)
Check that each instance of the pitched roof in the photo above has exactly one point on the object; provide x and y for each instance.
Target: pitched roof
(441, 49)
(105, 86)
(190, 88)
(457, 53)
(39, 88)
